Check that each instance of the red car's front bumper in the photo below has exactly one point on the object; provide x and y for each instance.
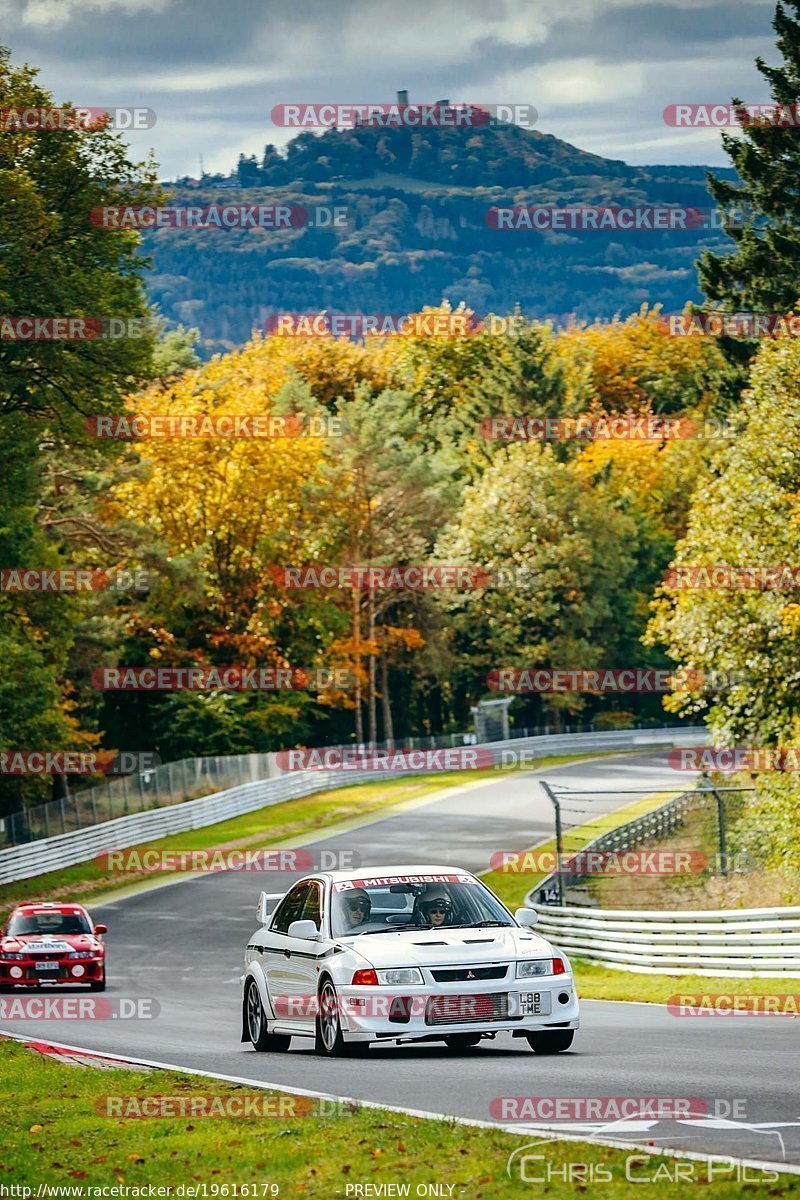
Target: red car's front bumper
(60, 969)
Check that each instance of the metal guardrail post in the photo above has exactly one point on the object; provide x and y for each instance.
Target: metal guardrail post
(723, 843)
(559, 838)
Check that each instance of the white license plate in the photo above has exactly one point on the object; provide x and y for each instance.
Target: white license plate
(534, 1004)
(46, 966)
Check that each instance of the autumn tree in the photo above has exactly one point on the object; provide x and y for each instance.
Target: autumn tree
(558, 563)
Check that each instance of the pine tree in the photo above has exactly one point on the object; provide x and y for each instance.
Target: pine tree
(763, 272)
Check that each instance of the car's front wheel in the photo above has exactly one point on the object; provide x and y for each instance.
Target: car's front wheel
(257, 1024)
(551, 1042)
(329, 1039)
(99, 985)
(462, 1041)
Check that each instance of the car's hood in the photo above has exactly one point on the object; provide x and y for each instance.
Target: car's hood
(438, 947)
(49, 943)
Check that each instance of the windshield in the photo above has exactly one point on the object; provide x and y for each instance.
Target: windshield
(414, 902)
(48, 922)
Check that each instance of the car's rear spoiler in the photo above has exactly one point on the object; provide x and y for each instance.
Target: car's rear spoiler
(267, 903)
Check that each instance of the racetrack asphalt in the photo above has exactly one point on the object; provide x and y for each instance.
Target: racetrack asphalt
(183, 945)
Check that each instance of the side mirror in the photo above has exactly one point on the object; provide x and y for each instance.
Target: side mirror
(98, 929)
(306, 930)
(527, 917)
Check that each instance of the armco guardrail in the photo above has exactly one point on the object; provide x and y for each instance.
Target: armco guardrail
(764, 942)
(49, 854)
(186, 779)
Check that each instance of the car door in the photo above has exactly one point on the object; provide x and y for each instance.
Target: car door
(290, 963)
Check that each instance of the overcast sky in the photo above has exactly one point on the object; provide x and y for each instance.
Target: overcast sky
(599, 72)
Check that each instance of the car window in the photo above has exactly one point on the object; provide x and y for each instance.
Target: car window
(312, 909)
(290, 908)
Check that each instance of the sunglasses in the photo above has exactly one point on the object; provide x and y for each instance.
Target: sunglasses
(354, 905)
(437, 908)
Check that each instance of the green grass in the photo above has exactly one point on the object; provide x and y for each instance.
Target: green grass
(278, 823)
(596, 982)
(53, 1133)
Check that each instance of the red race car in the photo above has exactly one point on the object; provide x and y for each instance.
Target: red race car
(51, 943)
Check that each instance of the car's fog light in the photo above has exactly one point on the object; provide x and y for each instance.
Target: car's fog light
(16, 972)
(78, 971)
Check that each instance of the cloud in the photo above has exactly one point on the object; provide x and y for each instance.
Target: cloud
(600, 72)
(57, 13)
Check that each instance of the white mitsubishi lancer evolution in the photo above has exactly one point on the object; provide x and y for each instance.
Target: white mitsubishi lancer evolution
(402, 954)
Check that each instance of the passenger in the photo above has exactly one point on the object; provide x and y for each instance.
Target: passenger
(357, 908)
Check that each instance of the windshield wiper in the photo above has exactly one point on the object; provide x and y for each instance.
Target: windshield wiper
(481, 925)
(395, 928)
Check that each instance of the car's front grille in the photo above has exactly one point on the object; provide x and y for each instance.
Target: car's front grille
(460, 974)
(455, 1010)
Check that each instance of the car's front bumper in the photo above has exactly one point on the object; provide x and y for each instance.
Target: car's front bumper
(66, 972)
(389, 1013)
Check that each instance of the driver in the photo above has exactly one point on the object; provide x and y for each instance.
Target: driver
(357, 908)
(435, 909)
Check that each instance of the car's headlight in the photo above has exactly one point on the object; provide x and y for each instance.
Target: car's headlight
(398, 976)
(83, 954)
(541, 966)
(12, 957)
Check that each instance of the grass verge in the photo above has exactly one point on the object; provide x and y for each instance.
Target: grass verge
(91, 880)
(596, 982)
(54, 1134)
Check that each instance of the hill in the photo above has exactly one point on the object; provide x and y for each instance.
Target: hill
(417, 232)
